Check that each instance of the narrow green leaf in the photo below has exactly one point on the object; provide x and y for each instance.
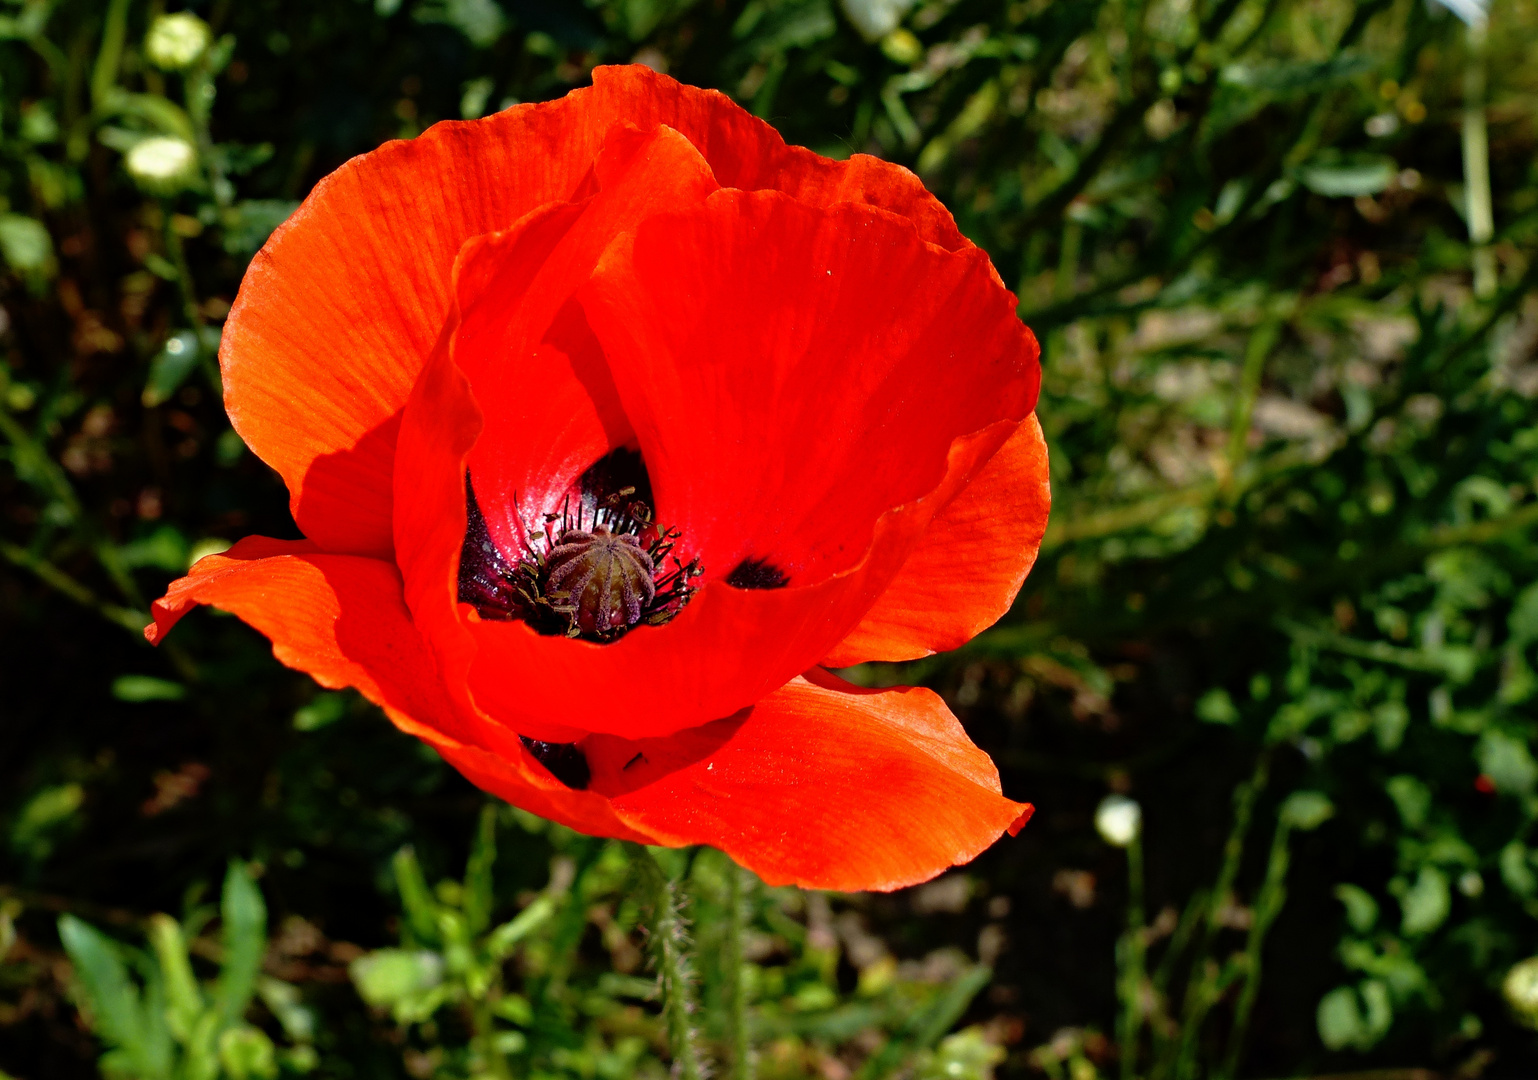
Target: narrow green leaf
(200, 1057)
(184, 1003)
(146, 688)
(478, 873)
(500, 941)
(245, 939)
(159, 1043)
(114, 1001)
(926, 1026)
(421, 912)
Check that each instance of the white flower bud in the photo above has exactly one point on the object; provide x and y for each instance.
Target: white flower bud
(162, 165)
(1119, 820)
(175, 42)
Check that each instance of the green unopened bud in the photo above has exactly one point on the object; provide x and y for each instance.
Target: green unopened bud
(1521, 990)
(162, 165)
(175, 42)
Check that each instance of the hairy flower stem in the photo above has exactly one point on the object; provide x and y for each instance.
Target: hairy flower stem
(670, 946)
(736, 992)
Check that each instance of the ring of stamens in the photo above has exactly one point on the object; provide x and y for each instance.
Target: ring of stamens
(591, 576)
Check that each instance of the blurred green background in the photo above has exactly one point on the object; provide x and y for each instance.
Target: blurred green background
(1279, 254)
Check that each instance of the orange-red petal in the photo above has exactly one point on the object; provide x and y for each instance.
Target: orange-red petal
(807, 387)
(340, 310)
(793, 373)
(969, 565)
(342, 619)
(523, 342)
(821, 784)
(745, 152)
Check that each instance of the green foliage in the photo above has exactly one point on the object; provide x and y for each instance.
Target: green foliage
(48, 812)
(525, 1010)
(165, 1024)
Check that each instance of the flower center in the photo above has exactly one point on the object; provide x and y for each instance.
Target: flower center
(605, 576)
(594, 571)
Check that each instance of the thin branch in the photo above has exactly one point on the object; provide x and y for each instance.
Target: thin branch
(130, 620)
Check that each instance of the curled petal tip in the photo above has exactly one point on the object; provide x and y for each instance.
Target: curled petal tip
(1027, 812)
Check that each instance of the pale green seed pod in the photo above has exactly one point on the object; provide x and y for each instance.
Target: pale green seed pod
(176, 41)
(162, 165)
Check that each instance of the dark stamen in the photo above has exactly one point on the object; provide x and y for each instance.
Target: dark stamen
(598, 568)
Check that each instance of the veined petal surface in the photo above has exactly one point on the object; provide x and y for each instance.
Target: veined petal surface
(340, 310)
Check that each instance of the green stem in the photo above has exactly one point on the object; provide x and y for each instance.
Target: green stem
(1132, 955)
(52, 576)
(184, 283)
(200, 103)
(1262, 341)
(1201, 991)
(1268, 905)
(670, 947)
(492, 1062)
(1068, 259)
(1162, 1030)
(1476, 164)
(189, 296)
(34, 466)
(736, 992)
(105, 71)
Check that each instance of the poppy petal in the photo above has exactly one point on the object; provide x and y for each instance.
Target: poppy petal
(802, 503)
(506, 309)
(524, 344)
(794, 373)
(339, 311)
(965, 572)
(342, 619)
(822, 784)
(339, 618)
(748, 153)
(439, 425)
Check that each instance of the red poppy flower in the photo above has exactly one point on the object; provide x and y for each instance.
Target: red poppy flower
(611, 423)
